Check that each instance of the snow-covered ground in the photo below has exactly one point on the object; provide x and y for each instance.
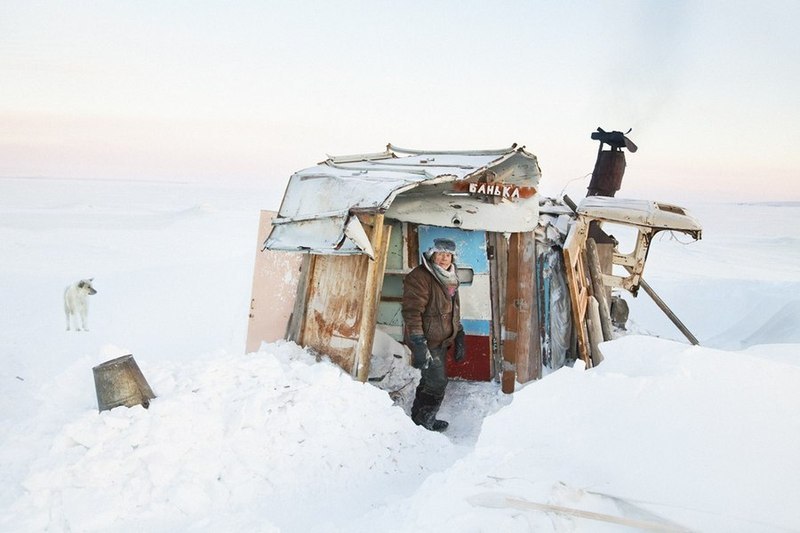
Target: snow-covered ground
(661, 435)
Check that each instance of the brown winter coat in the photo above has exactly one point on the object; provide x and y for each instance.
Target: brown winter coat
(428, 310)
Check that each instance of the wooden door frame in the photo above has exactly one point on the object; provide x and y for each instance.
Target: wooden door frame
(497, 248)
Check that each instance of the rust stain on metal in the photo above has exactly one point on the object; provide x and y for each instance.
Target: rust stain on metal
(334, 307)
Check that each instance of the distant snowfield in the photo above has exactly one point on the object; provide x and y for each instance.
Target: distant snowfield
(662, 434)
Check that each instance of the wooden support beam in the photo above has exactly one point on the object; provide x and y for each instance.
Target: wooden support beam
(513, 308)
(522, 355)
(412, 245)
(379, 240)
(595, 331)
(294, 330)
(535, 355)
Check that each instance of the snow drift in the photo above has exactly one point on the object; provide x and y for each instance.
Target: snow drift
(662, 433)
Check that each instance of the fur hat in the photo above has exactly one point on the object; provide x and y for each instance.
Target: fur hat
(441, 245)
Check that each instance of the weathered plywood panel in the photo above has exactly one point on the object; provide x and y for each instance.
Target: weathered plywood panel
(275, 279)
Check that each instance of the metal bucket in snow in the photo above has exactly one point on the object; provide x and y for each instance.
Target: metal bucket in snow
(120, 382)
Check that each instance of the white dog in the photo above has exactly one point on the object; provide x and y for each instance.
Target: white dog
(76, 304)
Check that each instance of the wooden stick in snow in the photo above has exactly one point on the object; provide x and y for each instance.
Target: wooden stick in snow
(667, 311)
(501, 501)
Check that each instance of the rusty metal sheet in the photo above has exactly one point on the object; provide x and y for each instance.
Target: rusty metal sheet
(334, 307)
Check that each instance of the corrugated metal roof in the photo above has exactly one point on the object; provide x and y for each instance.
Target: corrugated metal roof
(320, 201)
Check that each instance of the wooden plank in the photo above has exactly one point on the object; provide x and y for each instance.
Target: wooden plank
(599, 289)
(586, 281)
(535, 355)
(495, 500)
(512, 311)
(605, 253)
(528, 351)
(512, 341)
(371, 296)
(595, 330)
(276, 276)
(294, 331)
(412, 245)
(576, 281)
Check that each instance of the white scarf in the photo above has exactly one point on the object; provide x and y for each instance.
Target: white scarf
(449, 278)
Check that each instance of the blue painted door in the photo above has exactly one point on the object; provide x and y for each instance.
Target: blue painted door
(475, 295)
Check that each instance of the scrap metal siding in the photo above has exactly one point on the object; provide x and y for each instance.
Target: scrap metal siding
(333, 310)
(342, 300)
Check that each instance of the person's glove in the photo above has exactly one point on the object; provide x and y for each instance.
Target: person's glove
(460, 353)
(419, 351)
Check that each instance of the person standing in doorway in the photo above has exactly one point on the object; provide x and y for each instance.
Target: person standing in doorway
(432, 323)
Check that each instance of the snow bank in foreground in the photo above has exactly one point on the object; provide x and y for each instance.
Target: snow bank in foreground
(232, 443)
(660, 432)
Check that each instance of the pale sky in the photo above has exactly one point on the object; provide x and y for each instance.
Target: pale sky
(249, 92)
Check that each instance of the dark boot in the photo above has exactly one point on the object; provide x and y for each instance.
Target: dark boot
(424, 410)
(438, 425)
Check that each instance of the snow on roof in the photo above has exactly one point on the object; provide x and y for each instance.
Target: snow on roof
(317, 208)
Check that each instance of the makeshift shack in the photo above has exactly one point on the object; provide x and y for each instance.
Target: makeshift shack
(349, 229)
